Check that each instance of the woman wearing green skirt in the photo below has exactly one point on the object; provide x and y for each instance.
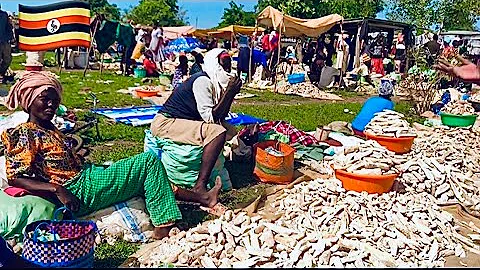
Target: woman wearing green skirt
(41, 161)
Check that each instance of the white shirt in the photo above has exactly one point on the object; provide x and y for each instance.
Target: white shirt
(156, 34)
(140, 36)
(203, 91)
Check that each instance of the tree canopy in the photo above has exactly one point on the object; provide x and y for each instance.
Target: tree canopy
(165, 12)
(448, 14)
(110, 11)
(308, 9)
(235, 14)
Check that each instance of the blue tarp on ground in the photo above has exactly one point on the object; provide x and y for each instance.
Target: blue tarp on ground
(139, 116)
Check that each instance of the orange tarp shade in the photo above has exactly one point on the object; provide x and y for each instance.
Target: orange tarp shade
(294, 27)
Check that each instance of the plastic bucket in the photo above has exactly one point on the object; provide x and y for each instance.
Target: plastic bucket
(81, 60)
(453, 120)
(400, 145)
(139, 73)
(369, 183)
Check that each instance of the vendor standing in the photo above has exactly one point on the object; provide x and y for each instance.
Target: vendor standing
(194, 114)
(372, 106)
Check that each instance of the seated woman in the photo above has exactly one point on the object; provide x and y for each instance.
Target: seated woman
(149, 64)
(363, 69)
(372, 106)
(41, 161)
(197, 66)
(316, 69)
(195, 114)
(180, 72)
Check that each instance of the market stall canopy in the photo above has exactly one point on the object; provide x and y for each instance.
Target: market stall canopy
(237, 29)
(176, 32)
(199, 33)
(294, 27)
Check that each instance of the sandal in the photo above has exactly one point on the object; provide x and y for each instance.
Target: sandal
(218, 210)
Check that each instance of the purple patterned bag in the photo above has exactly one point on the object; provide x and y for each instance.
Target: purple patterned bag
(72, 246)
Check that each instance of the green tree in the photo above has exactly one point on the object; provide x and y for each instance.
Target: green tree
(451, 14)
(309, 9)
(110, 11)
(236, 15)
(166, 12)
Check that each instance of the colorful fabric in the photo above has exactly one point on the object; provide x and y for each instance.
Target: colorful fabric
(30, 86)
(177, 77)
(295, 135)
(31, 150)
(140, 175)
(377, 66)
(182, 162)
(57, 25)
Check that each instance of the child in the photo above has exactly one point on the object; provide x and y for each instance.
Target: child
(149, 64)
(180, 72)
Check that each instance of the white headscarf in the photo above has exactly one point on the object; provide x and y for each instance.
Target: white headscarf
(219, 77)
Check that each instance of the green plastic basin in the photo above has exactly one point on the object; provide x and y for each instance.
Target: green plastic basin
(453, 120)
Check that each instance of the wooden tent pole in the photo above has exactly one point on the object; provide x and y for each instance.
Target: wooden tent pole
(251, 46)
(278, 54)
(340, 83)
(101, 64)
(358, 50)
(63, 61)
(91, 45)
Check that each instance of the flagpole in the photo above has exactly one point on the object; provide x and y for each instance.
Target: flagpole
(91, 45)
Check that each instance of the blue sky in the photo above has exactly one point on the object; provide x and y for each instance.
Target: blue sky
(208, 12)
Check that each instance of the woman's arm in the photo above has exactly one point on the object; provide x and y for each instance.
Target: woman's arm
(64, 195)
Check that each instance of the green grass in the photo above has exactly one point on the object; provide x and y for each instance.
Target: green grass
(107, 256)
(120, 141)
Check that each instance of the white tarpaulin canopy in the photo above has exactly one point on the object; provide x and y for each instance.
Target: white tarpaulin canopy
(294, 27)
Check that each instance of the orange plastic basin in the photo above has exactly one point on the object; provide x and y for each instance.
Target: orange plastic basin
(142, 93)
(33, 68)
(369, 183)
(400, 145)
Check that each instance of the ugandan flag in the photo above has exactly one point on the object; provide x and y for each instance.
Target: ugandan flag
(57, 25)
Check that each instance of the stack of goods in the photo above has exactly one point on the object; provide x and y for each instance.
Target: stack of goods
(444, 163)
(307, 90)
(459, 108)
(389, 124)
(368, 158)
(320, 224)
(475, 97)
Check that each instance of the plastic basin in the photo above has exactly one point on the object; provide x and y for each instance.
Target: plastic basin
(400, 145)
(33, 68)
(369, 183)
(296, 78)
(475, 105)
(453, 120)
(143, 93)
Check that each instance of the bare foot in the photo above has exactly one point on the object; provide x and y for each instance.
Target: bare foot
(161, 232)
(212, 194)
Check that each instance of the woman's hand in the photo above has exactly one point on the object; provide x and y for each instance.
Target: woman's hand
(468, 71)
(67, 198)
(234, 85)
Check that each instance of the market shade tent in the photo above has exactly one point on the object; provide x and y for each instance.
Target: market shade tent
(295, 27)
(178, 31)
(228, 31)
